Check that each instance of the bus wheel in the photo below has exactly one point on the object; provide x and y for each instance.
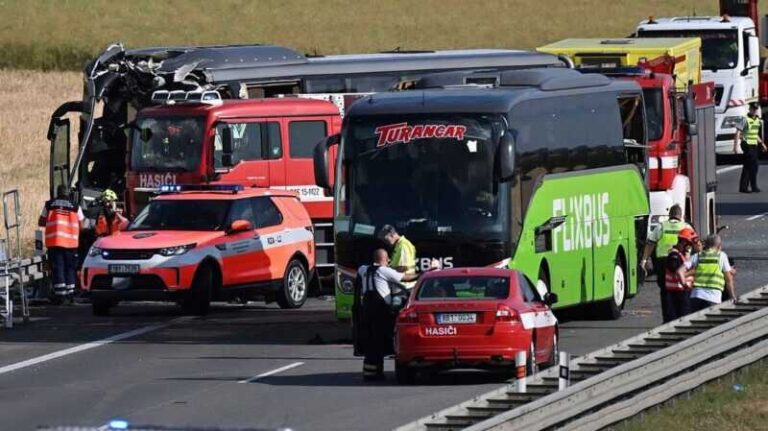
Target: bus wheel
(542, 284)
(611, 308)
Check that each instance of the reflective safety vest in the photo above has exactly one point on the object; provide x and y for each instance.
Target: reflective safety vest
(752, 130)
(404, 254)
(669, 231)
(671, 281)
(708, 274)
(62, 227)
(104, 228)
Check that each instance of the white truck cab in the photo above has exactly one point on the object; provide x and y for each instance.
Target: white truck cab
(730, 52)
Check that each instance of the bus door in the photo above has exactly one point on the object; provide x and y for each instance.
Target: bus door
(255, 158)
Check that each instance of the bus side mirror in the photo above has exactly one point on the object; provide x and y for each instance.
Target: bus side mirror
(550, 298)
(226, 146)
(321, 160)
(506, 156)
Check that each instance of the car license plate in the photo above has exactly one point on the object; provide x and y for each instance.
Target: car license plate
(123, 269)
(446, 318)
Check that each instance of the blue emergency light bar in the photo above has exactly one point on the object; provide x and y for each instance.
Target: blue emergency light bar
(178, 188)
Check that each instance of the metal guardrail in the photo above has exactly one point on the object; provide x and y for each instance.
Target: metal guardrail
(605, 382)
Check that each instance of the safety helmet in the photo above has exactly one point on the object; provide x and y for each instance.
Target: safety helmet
(687, 234)
(108, 196)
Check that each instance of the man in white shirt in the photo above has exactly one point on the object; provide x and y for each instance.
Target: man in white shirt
(372, 314)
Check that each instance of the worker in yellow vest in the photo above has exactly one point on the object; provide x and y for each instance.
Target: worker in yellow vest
(712, 276)
(661, 239)
(62, 220)
(403, 252)
(749, 135)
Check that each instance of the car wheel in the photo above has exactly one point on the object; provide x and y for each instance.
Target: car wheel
(101, 307)
(531, 367)
(555, 358)
(198, 299)
(611, 308)
(404, 374)
(295, 286)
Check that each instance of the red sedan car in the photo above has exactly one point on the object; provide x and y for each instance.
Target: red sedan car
(474, 318)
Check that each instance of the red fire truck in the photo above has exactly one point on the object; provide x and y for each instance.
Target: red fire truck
(681, 155)
(198, 138)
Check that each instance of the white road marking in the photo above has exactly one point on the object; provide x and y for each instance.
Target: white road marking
(757, 216)
(87, 346)
(727, 169)
(273, 372)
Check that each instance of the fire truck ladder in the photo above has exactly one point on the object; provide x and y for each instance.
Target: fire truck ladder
(11, 276)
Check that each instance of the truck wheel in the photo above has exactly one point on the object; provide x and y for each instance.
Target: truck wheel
(101, 307)
(611, 308)
(293, 293)
(198, 299)
(404, 374)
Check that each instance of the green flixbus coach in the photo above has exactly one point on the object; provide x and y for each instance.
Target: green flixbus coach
(540, 170)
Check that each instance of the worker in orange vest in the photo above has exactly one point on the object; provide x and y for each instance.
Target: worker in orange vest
(678, 276)
(62, 220)
(109, 220)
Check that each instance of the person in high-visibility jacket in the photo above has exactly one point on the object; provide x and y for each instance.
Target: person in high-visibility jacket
(712, 276)
(62, 220)
(678, 275)
(661, 239)
(403, 252)
(749, 137)
(109, 220)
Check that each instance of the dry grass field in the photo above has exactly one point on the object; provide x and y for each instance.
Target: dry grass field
(62, 35)
(28, 99)
(49, 34)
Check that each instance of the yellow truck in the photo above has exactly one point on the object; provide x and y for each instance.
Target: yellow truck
(685, 54)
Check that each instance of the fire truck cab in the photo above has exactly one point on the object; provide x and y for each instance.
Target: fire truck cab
(194, 244)
(198, 138)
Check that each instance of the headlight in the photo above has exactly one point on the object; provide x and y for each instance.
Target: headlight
(345, 282)
(176, 251)
(731, 122)
(94, 251)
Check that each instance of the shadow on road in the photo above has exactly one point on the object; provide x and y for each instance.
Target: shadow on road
(344, 379)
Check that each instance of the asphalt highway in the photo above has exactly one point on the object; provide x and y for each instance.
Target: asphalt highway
(259, 366)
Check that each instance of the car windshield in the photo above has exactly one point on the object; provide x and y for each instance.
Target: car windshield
(427, 176)
(719, 48)
(654, 113)
(449, 288)
(167, 144)
(198, 215)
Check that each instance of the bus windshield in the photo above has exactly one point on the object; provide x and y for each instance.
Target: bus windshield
(167, 144)
(426, 175)
(719, 48)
